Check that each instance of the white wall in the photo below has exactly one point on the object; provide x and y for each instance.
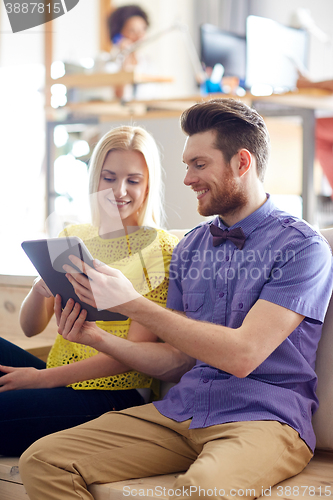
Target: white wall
(16, 49)
(321, 55)
(76, 34)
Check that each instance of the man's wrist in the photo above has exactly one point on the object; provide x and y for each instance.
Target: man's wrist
(132, 308)
(100, 338)
(145, 312)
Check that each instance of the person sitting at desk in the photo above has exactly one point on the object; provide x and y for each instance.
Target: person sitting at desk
(127, 25)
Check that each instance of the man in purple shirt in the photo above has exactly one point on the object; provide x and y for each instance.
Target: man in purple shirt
(251, 287)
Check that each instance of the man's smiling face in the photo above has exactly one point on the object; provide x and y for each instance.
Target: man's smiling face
(218, 188)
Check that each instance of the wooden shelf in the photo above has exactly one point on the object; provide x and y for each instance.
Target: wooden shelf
(86, 80)
(144, 109)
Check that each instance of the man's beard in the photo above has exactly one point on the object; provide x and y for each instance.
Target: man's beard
(229, 200)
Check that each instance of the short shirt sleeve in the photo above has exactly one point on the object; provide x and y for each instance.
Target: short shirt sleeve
(305, 273)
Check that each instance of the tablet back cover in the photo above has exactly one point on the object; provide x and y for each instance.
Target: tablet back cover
(48, 256)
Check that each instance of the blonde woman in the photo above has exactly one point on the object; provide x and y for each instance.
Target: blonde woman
(77, 383)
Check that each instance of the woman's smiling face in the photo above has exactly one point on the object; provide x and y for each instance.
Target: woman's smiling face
(123, 186)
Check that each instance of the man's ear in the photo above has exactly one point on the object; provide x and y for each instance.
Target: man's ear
(245, 160)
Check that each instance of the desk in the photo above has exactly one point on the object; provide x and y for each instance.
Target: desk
(302, 104)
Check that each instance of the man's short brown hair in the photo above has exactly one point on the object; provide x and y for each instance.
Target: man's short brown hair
(237, 126)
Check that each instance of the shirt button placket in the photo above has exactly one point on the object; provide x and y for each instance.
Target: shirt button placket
(203, 398)
(220, 309)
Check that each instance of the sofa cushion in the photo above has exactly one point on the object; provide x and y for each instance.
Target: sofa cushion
(323, 418)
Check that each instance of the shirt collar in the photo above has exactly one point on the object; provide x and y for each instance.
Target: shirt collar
(252, 221)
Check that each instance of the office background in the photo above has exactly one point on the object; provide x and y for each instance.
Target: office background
(77, 39)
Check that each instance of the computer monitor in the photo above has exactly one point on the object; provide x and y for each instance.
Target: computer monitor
(274, 52)
(224, 47)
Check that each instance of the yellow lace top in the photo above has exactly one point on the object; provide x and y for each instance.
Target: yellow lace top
(144, 257)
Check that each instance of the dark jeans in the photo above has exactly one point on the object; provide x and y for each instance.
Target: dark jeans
(29, 414)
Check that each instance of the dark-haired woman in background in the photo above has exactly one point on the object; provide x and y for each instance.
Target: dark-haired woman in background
(127, 25)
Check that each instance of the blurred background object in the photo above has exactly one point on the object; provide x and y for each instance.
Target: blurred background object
(31, 61)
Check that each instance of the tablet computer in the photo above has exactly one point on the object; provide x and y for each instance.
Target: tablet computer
(49, 255)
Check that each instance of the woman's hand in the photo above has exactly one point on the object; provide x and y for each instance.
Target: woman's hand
(72, 324)
(20, 378)
(105, 287)
(40, 287)
(130, 61)
(36, 309)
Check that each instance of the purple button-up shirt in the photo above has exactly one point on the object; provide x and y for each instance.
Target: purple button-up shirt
(283, 261)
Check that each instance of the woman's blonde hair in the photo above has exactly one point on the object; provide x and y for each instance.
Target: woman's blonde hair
(129, 138)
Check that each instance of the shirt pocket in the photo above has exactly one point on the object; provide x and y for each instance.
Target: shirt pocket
(240, 306)
(193, 304)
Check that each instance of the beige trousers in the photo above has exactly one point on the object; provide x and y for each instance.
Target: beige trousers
(238, 459)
